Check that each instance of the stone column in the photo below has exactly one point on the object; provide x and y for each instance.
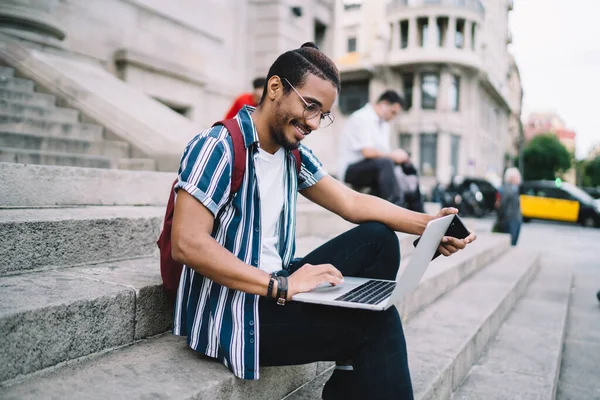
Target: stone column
(416, 107)
(395, 39)
(468, 27)
(30, 17)
(412, 33)
(444, 147)
(444, 88)
(431, 33)
(451, 36)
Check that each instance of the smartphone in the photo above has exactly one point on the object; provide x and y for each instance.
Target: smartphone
(456, 229)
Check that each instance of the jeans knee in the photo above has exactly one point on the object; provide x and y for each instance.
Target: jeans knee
(384, 164)
(386, 238)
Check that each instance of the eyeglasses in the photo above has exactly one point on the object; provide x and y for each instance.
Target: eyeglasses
(313, 110)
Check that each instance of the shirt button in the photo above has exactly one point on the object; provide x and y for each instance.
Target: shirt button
(251, 323)
(255, 261)
(256, 229)
(251, 333)
(251, 340)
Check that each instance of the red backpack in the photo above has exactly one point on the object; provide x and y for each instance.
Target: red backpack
(170, 270)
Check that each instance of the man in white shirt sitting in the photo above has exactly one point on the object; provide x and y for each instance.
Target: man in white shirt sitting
(366, 158)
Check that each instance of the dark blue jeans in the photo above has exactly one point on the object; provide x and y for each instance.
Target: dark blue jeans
(514, 228)
(300, 333)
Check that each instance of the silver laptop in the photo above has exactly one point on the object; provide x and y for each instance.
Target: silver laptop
(377, 294)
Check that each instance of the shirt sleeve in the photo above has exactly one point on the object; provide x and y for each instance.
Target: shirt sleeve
(311, 171)
(357, 135)
(205, 168)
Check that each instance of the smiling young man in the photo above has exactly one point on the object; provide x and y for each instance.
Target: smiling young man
(233, 246)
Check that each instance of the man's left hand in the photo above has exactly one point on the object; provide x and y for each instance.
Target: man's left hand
(451, 245)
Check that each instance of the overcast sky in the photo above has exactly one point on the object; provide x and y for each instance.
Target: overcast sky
(557, 47)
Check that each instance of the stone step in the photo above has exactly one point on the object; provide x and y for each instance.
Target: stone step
(108, 148)
(446, 338)
(11, 123)
(136, 164)
(7, 72)
(314, 220)
(68, 186)
(162, 367)
(446, 273)
(53, 316)
(524, 358)
(32, 98)
(48, 238)
(44, 157)
(16, 84)
(133, 288)
(55, 114)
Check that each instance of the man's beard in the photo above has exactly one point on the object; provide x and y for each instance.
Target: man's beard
(278, 130)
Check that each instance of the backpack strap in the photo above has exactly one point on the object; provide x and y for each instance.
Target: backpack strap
(298, 158)
(239, 153)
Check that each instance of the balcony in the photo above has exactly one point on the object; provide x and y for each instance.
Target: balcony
(471, 5)
(419, 55)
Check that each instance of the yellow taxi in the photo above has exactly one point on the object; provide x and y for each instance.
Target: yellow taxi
(558, 201)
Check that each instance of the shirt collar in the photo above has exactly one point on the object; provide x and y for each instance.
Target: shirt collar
(247, 124)
(372, 114)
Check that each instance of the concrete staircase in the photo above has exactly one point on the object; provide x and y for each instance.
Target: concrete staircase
(82, 314)
(34, 131)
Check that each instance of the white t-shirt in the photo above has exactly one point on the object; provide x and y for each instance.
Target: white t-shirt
(270, 174)
(363, 129)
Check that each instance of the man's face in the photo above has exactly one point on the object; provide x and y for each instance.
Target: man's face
(289, 127)
(389, 111)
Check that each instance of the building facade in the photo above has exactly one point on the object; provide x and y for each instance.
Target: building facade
(449, 59)
(193, 56)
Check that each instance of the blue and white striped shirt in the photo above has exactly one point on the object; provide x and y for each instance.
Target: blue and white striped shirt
(220, 322)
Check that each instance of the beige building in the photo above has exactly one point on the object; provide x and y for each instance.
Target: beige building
(450, 60)
(193, 57)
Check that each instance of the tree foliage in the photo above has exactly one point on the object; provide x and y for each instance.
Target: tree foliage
(544, 157)
(591, 172)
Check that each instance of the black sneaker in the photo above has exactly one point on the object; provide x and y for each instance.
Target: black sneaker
(598, 295)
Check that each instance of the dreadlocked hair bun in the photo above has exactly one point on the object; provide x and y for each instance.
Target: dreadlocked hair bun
(310, 45)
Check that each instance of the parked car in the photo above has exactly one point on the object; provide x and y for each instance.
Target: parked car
(593, 191)
(481, 203)
(558, 201)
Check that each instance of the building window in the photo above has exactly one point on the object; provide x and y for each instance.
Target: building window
(404, 34)
(454, 95)
(352, 5)
(428, 153)
(320, 29)
(459, 38)
(405, 141)
(473, 30)
(353, 96)
(422, 25)
(408, 80)
(454, 153)
(442, 25)
(429, 90)
(351, 44)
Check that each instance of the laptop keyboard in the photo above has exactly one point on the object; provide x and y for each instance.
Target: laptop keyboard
(370, 292)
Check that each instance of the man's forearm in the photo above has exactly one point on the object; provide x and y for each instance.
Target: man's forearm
(370, 208)
(374, 153)
(212, 260)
